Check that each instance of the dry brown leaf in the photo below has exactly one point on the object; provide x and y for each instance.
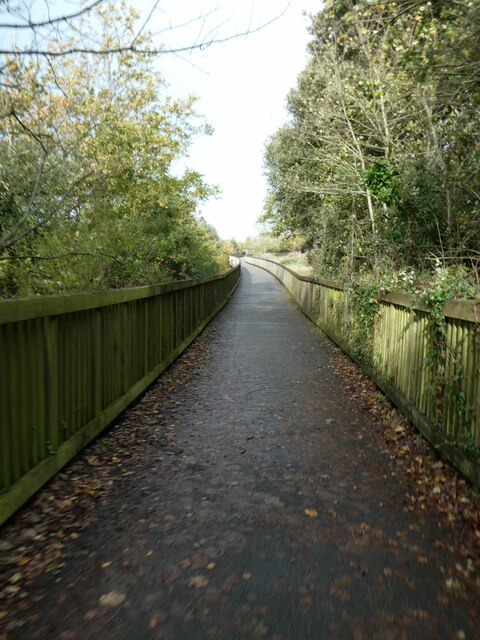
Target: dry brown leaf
(22, 561)
(112, 599)
(185, 564)
(6, 545)
(310, 513)
(339, 593)
(198, 581)
(91, 614)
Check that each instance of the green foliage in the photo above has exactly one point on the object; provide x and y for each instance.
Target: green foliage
(272, 243)
(363, 307)
(230, 247)
(380, 179)
(379, 162)
(446, 283)
(296, 262)
(89, 197)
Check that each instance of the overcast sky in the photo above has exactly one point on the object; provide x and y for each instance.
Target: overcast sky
(241, 86)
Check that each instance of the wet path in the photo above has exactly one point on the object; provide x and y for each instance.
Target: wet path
(266, 513)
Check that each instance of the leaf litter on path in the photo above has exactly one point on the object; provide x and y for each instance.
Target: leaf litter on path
(429, 483)
(35, 540)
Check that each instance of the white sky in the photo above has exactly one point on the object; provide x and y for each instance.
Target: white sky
(242, 86)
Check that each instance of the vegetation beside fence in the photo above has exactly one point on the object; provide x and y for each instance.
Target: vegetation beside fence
(425, 359)
(71, 363)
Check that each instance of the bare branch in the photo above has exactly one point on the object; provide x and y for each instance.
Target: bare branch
(31, 202)
(51, 21)
(146, 21)
(9, 240)
(152, 51)
(28, 130)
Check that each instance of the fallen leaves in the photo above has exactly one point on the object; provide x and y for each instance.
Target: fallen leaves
(22, 560)
(274, 501)
(15, 578)
(454, 585)
(112, 599)
(34, 541)
(338, 590)
(198, 581)
(153, 622)
(66, 503)
(418, 614)
(32, 533)
(202, 566)
(261, 630)
(430, 484)
(91, 614)
(185, 564)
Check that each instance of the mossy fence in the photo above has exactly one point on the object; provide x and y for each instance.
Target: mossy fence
(440, 396)
(71, 363)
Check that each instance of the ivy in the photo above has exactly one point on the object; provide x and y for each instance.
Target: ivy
(434, 299)
(380, 178)
(363, 303)
(448, 283)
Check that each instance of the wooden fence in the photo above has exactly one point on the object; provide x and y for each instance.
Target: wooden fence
(69, 364)
(442, 398)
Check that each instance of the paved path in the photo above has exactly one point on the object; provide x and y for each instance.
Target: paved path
(269, 512)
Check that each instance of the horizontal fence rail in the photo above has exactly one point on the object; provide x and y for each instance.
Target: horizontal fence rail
(443, 401)
(71, 363)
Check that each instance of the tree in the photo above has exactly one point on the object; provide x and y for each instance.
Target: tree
(88, 197)
(379, 163)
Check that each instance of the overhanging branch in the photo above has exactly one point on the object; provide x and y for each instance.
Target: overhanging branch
(51, 21)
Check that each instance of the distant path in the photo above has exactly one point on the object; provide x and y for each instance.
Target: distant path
(209, 538)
